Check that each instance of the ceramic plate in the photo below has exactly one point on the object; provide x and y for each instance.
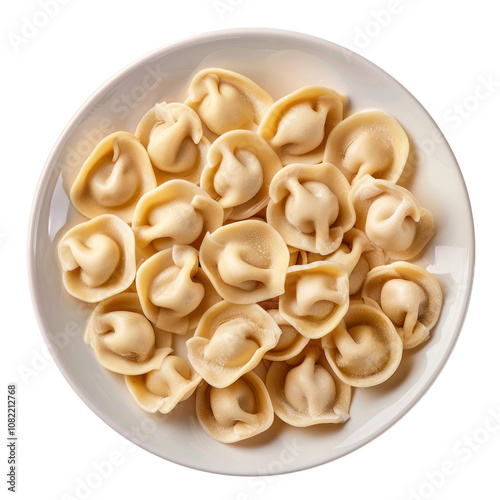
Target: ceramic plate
(280, 62)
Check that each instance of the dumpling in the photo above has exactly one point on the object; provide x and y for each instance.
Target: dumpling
(301, 257)
(177, 212)
(124, 341)
(391, 217)
(246, 261)
(162, 388)
(173, 136)
(364, 349)
(310, 207)
(240, 168)
(368, 142)
(298, 125)
(97, 258)
(290, 343)
(113, 178)
(226, 100)
(231, 340)
(305, 391)
(175, 292)
(359, 255)
(316, 297)
(239, 411)
(409, 295)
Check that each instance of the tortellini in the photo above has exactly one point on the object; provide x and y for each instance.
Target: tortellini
(231, 340)
(305, 391)
(368, 142)
(175, 292)
(177, 212)
(310, 207)
(251, 253)
(391, 217)
(173, 136)
(316, 297)
(246, 261)
(364, 349)
(123, 339)
(163, 388)
(298, 125)
(240, 168)
(409, 295)
(358, 255)
(236, 412)
(97, 258)
(226, 100)
(290, 343)
(113, 178)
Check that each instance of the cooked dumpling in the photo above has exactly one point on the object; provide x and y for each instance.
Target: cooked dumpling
(173, 136)
(162, 388)
(230, 340)
(391, 217)
(301, 257)
(316, 297)
(97, 258)
(310, 207)
(246, 261)
(239, 411)
(409, 295)
(364, 349)
(298, 125)
(175, 292)
(359, 255)
(175, 213)
(368, 142)
(123, 340)
(240, 168)
(113, 178)
(226, 100)
(290, 343)
(305, 391)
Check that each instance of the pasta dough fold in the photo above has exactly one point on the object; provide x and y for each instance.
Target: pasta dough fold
(124, 341)
(305, 391)
(368, 142)
(174, 292)
(97, 258)
(364, 349)
(310, 207)
(239, 411)
(409, 295)
(391, 217)
(316, 297)
(177, 212)
(246, 261)
(241, 167)
(226, 101)
(231, 340)
(298, 125)
(113, 178)
(173, 136)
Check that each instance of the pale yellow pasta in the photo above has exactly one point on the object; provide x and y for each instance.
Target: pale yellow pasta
(113, 178)
(173, 136)
(298, 125)
(251, 253)
(368, 142)
(97, 258)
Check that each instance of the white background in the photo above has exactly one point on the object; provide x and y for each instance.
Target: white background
(441, 51)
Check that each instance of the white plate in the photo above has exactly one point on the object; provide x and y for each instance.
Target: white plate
(280, 62)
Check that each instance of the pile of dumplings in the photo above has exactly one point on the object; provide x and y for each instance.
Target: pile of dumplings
(269, 237)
